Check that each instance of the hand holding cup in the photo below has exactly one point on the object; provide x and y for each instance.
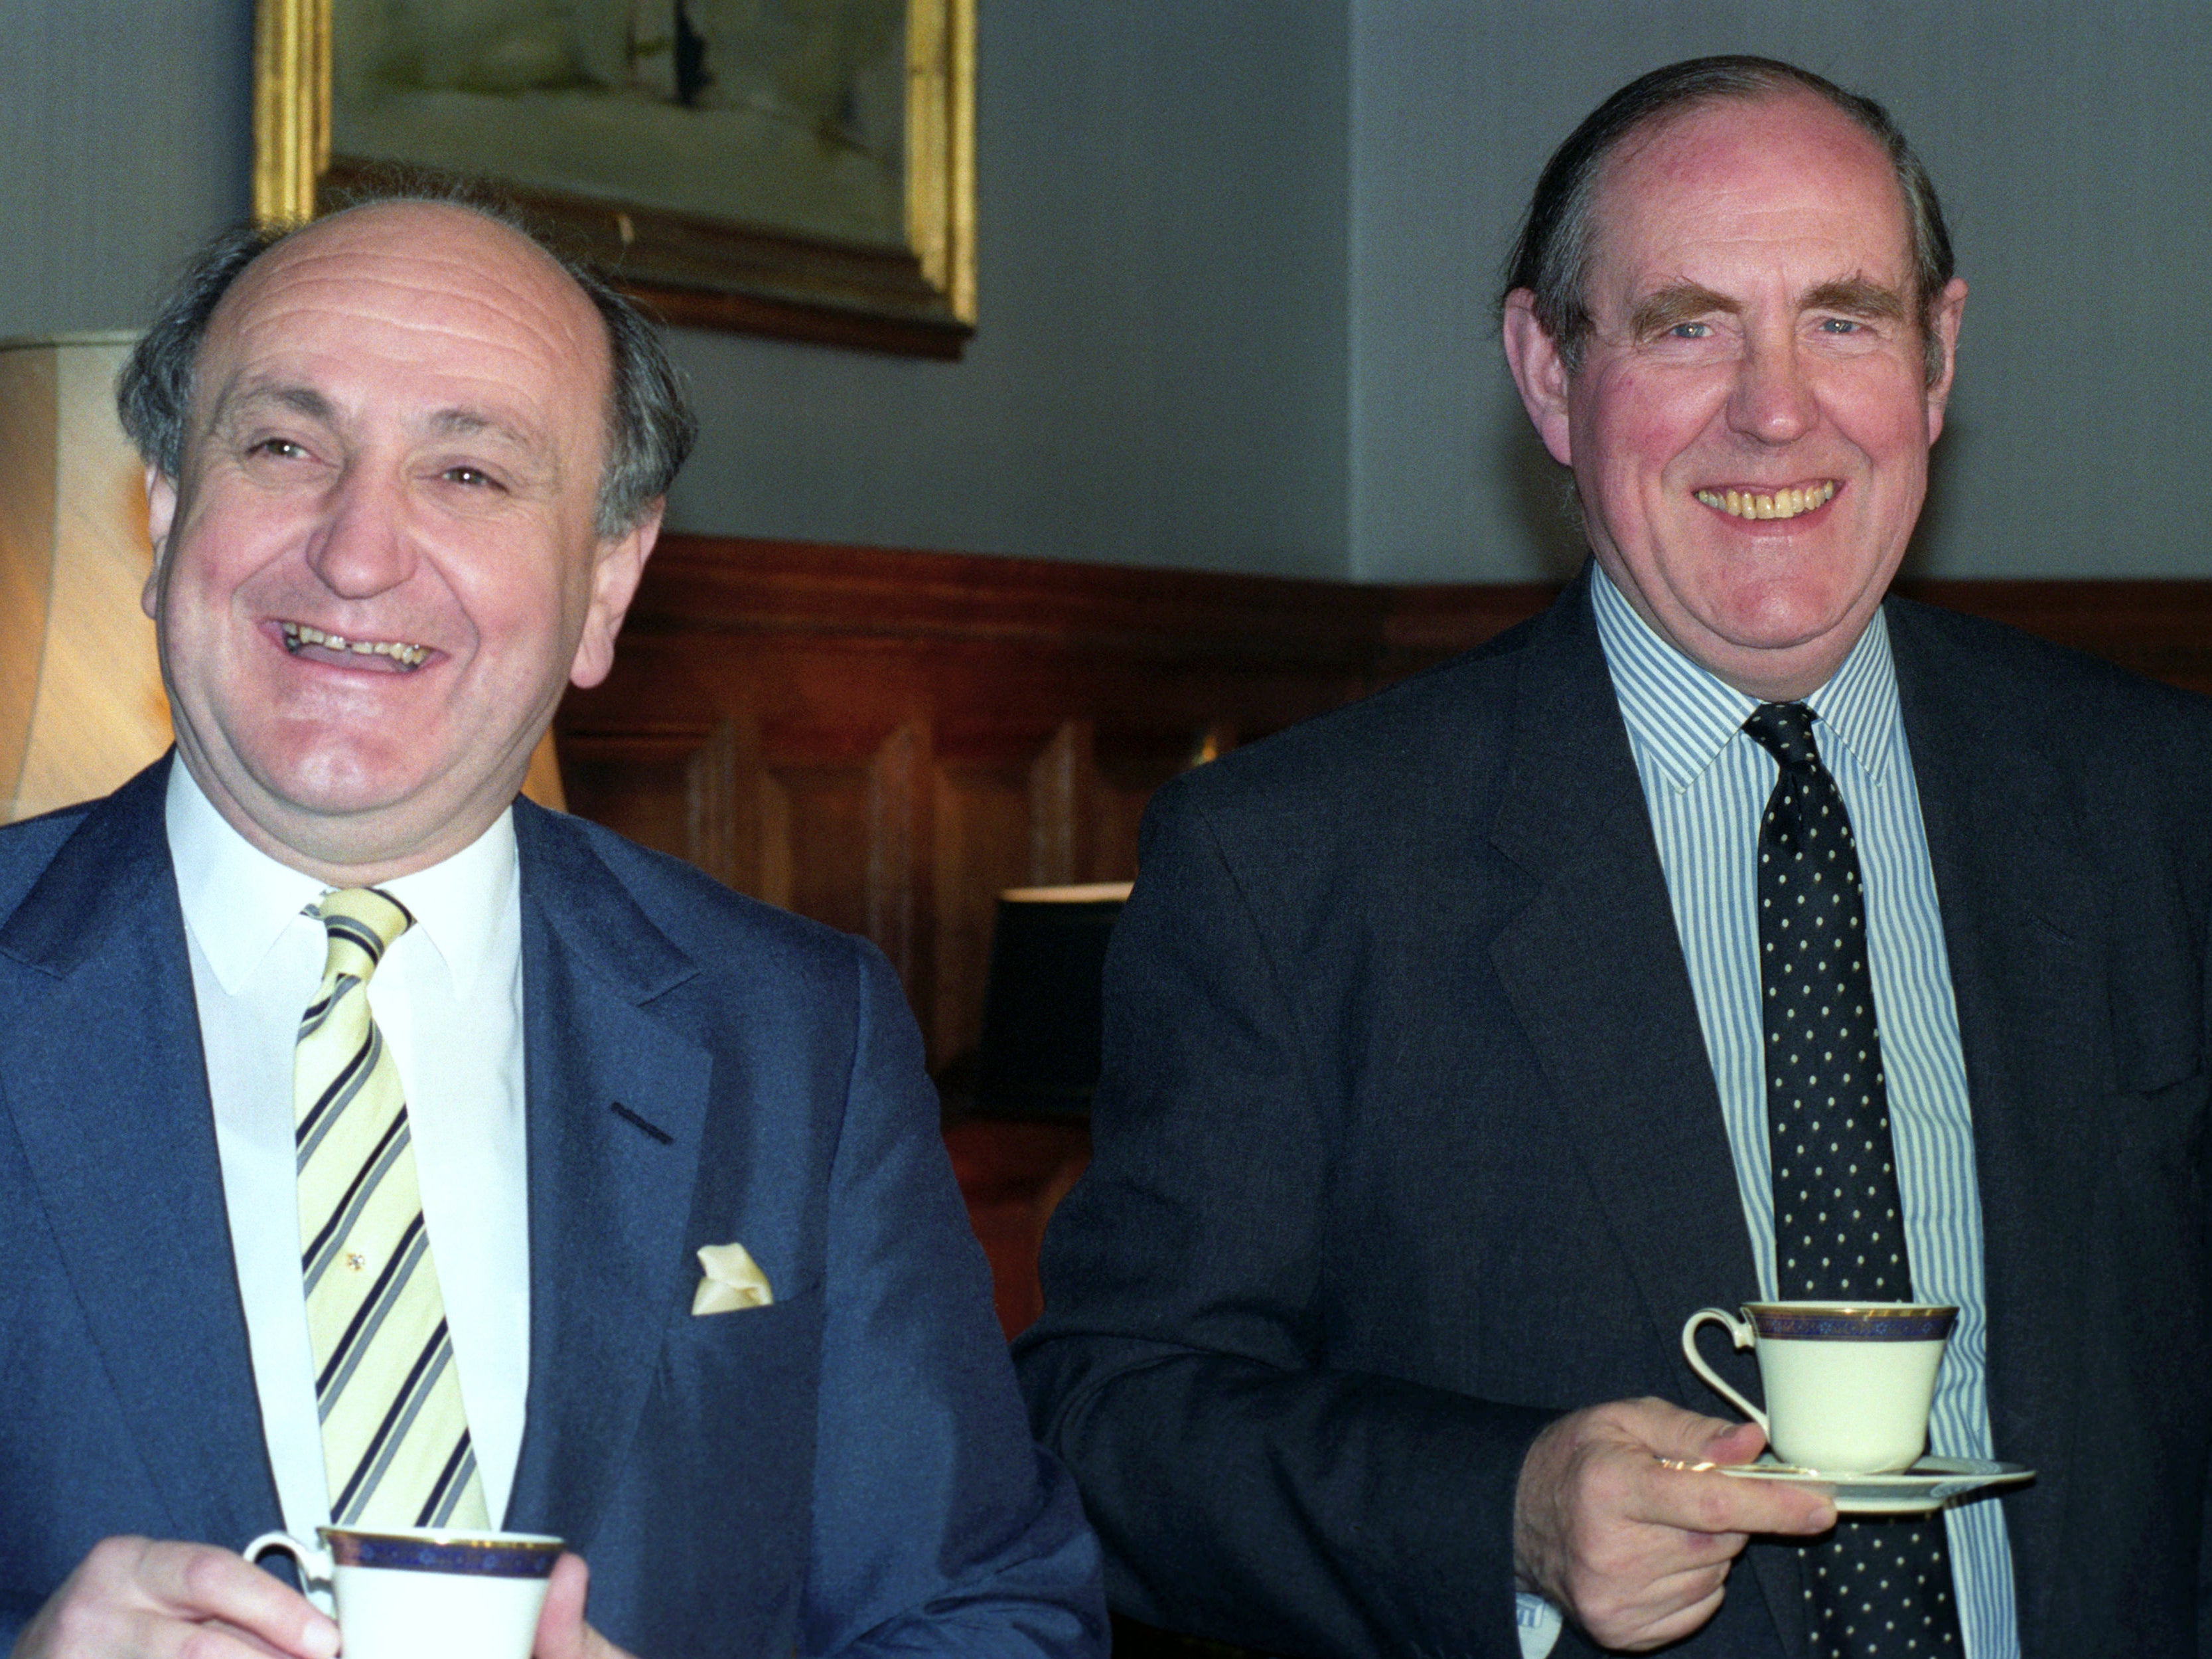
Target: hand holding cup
(419, 1593)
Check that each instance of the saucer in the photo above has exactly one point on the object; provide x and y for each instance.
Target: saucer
(1925, 1487)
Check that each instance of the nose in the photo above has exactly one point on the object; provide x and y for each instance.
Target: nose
(361, 546)
(1773, 401)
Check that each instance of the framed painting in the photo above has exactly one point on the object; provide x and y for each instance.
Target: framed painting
(798, 167)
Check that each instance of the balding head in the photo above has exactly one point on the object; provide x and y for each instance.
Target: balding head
(1550, 258)
(650, 424)
(381, 551)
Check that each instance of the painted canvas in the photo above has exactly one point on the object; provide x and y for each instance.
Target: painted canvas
(794, 167)
(783, 114)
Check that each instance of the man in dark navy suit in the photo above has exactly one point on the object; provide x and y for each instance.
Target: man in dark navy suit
(376, 1145)
(1452, 1061)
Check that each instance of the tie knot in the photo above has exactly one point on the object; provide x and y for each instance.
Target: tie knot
(1784, 730)
(360, 923)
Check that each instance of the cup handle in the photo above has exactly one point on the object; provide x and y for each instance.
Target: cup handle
(316, 1567)
(1741, 1331)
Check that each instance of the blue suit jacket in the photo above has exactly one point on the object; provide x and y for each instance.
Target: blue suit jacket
(845, 1470)
(1409, 1142)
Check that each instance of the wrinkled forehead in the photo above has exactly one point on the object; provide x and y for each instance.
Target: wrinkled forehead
(1737, 168)
(415, 288)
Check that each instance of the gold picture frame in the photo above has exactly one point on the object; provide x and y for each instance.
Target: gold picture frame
(912, 294)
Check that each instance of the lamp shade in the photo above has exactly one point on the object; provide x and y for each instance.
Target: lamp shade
(1042, 1001)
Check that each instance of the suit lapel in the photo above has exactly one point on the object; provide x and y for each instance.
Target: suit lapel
(108, 1091)
(609, 1189)
(1594, 967)
(2016, 881)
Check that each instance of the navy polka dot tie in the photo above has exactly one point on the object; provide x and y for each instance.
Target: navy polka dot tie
(1872, 1588)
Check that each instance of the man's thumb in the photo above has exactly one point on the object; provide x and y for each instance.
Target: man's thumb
(560, 1626)
(1733, 1442)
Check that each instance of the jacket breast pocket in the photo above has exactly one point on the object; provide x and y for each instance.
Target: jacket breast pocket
(2159, 998)
(2152, 1147)
(728, 1430)
(707, 1528)
(711, 1362)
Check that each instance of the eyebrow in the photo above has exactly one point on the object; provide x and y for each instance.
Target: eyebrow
(468, 422)
(1855, 297)
(238, 400)
(1656, 314)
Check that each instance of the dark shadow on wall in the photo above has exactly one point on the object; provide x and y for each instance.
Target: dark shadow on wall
(1542, 493)
(1946, 464)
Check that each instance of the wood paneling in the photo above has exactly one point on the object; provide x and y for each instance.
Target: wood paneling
(883, 740)
(2162, 629)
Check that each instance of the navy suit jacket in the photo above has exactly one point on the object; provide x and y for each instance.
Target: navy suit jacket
(847, 1470)
(1408, 1142)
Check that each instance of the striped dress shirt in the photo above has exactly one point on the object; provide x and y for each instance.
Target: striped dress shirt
(1705, 784)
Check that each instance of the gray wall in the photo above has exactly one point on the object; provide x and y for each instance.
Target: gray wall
(126, 137)
(2073, 148)
(1237, 262)
(1158, 375)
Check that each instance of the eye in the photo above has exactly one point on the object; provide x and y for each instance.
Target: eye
(1691, 331)
(282, 448)
(474, 477)
(1842, 326)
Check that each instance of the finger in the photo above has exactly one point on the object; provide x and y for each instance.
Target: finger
(1682, 1621)
(1704, 1501)
(560, 1627)
(1654, 1611)
(199, 1582)
(139, 1632)
(247, 1638)
(1739, 1442)
(1677, 1437)
(1687, 1437)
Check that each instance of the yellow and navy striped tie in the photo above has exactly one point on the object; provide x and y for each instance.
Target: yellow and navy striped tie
(395, 1436)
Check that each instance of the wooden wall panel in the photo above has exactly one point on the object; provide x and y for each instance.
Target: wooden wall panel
(884, 742)
(884, 739)
(2162, 629)
(982, 846)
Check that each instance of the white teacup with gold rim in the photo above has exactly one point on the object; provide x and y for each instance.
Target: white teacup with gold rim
(1848, 1384)
(426, 1593)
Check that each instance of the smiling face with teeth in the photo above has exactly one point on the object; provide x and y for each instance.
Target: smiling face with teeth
(379, 567)
(1749, 421)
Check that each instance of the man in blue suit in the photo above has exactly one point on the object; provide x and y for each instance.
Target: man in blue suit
(375, 1144)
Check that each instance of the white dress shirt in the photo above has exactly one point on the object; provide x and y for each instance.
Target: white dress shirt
(448, 999)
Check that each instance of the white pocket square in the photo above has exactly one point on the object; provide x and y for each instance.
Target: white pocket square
(732, 1280)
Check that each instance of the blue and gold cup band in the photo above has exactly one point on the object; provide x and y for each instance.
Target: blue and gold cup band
(1855, 1321)
(477, 1555)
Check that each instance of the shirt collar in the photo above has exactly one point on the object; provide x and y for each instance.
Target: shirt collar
(1680, 715)
(238, 900)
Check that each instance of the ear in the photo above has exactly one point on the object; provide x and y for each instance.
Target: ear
(160, 518)
(616, 569)
(1950, 310)
(1539, 372)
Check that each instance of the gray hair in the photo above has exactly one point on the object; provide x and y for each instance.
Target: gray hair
(650, 424)
(1552, 256)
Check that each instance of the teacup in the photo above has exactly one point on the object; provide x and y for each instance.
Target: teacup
(1848, 1384)
(424, 1593)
